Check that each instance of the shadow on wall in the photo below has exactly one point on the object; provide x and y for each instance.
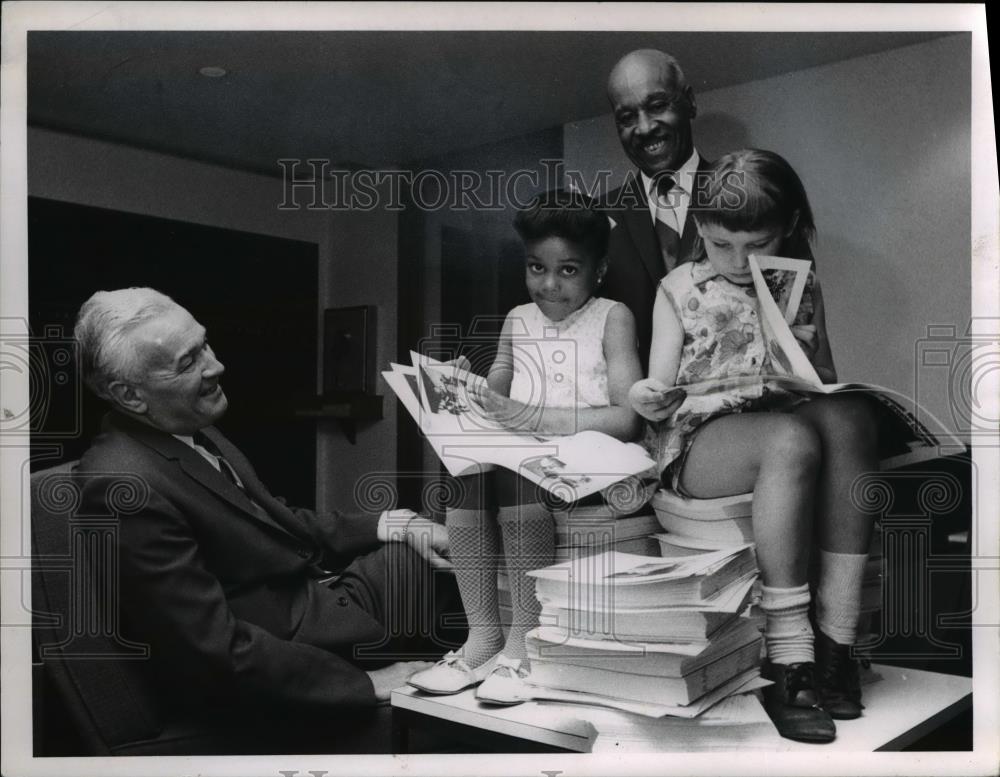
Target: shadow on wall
(727, 132)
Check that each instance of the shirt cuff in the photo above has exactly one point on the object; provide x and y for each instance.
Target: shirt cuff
(392, 522)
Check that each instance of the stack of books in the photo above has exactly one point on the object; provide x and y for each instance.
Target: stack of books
(589, 530)
(724, 520)
(710, 524)
(623, 629)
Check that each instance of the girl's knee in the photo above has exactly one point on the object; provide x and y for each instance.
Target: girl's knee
(795, 443)
(850, 419)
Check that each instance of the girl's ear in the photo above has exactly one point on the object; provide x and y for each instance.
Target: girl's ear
(602, 270)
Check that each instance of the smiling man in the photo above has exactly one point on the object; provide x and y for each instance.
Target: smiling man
(653, 106)
(242, 599)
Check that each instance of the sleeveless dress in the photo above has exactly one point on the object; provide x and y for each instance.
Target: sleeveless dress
(722, 339)
(560, 363)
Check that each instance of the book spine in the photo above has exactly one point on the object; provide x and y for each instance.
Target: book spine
(646, 688)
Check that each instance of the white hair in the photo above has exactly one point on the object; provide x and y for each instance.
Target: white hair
(102, 330)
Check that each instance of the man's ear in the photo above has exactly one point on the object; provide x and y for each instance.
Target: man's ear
(689, 93)
(125, 396)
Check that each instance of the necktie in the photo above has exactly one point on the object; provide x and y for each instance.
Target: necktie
(666, 234)
(209, 449)
(223, 466)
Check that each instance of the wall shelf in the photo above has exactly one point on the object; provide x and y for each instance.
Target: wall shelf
(349, 411)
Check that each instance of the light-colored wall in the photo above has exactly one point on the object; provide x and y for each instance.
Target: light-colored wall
(354, 250)
(882, 143)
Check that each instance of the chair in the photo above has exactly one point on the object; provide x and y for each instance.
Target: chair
(89, 673)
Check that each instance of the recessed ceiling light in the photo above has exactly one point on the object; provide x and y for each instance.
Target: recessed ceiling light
(213, 72)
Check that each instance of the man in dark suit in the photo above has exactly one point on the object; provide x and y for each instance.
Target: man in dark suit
(653, 229)
(229, 586)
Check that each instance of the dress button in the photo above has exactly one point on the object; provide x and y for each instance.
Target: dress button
(342, 601)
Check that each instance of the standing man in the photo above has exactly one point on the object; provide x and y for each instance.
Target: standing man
(241, 598)
(653, 229)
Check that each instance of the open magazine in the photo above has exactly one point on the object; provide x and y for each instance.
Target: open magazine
(438, 396)
(779, 283)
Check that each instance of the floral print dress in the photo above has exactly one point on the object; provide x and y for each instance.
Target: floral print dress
(722, 339)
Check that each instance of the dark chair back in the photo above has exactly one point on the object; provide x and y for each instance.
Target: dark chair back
(100, 677)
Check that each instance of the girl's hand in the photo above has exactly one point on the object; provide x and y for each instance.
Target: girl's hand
(654, 400)
(808, 341)
(498, 408)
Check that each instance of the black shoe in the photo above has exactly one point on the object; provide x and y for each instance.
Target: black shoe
(837, 675)
(792, 703)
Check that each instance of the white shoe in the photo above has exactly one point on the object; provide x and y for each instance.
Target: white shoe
(505, 684)
(451, 675)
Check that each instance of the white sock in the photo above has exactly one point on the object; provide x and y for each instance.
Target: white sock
(787, 631)
(838, 598)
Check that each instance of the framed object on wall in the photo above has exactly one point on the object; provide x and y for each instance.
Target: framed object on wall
(349, 350)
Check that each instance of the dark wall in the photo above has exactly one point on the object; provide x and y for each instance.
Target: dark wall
(256, 296)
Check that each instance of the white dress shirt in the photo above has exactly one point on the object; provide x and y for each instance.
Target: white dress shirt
(675, 212)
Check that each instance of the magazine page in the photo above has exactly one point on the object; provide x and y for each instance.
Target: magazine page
(786, 355)
(741, 683)
(786, 280)
(572, 467)
(619, 568)
(903, 437)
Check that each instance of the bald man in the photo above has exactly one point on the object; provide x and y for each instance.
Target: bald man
(653, 231)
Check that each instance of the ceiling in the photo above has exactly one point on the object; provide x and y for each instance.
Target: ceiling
(372, 99)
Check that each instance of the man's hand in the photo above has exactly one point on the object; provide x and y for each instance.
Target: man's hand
(428, 538)
(394, 676)
(654, 400)
(808, 342)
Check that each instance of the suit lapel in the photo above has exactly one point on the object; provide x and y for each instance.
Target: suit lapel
(638, 223)
(269, 509)
(690, 234)
(195, 467)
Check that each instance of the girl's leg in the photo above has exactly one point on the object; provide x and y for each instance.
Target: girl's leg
(529, 543)
(777, 456)
(474, 547)
(847, 426)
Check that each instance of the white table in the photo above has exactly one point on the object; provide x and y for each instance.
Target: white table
(902, 707)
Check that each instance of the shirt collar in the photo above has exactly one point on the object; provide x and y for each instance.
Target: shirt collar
(187, 439)
(683, 177)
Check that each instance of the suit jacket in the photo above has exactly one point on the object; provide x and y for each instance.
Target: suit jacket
(635, 265)
(224, 592)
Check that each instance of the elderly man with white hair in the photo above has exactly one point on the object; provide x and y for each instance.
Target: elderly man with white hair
(241, 597)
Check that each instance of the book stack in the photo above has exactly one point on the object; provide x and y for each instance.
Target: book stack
(698, 525)
(727, 520)
(623, 629)
(589, 530)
